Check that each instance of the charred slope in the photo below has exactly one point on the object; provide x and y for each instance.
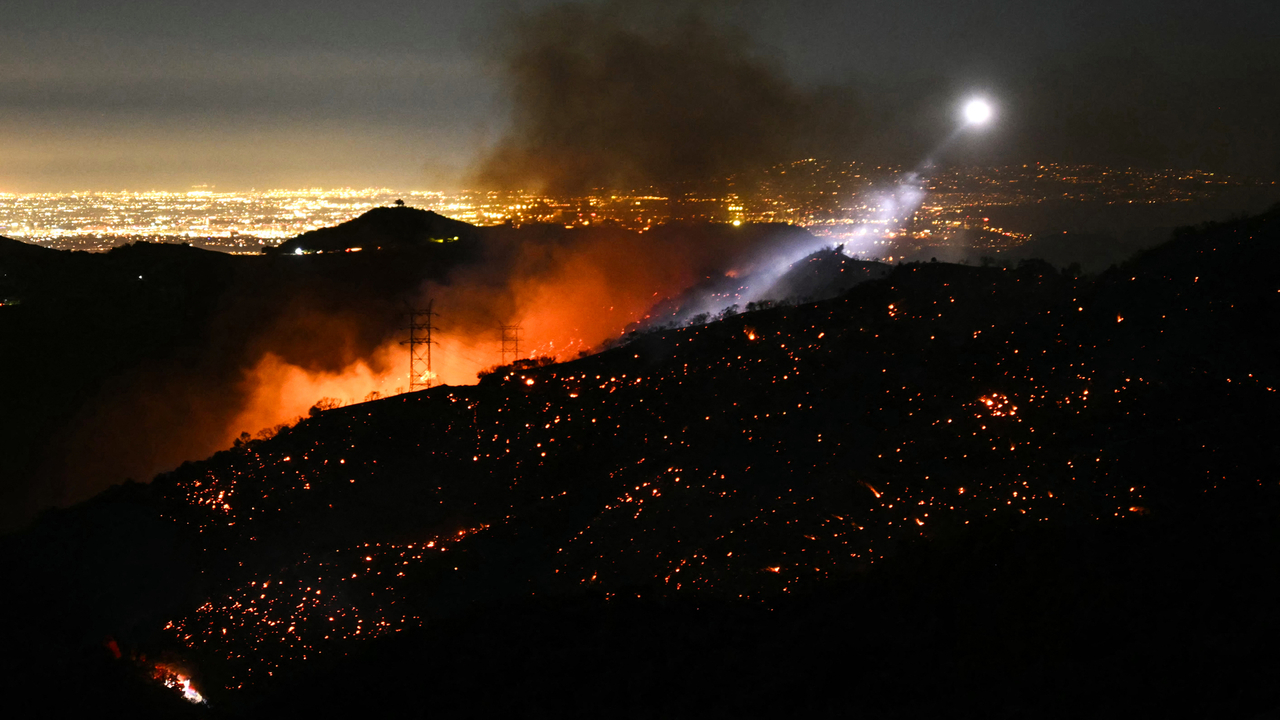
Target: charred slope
(967, 478)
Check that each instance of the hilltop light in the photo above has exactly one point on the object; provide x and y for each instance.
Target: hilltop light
(977, 112)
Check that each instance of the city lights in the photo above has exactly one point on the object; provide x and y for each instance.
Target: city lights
(877, 208)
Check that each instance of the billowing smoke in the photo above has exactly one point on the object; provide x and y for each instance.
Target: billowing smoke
(571, 290)
(642, 94)
(602, 95)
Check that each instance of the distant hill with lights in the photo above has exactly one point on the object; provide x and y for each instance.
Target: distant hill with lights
(966, 490)
(383, 228)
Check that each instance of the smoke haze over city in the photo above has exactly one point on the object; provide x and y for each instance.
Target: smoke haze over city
(172, 95)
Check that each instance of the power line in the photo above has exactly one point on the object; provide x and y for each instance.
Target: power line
(510, 342)
(420, 342)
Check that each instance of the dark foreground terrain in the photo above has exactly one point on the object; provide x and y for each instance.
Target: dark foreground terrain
(954, 491)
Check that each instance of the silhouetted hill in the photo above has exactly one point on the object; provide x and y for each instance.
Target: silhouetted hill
(16, 257)
(14, 254)
(383, 227)
(1097, 251)
(82, 319)
(978, 491)
(10, 248)
(108, 353)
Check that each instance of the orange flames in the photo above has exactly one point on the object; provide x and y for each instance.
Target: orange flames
(279, 392)
(567, 298)
(173, 678)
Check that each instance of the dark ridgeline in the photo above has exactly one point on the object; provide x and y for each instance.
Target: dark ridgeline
(973, 491)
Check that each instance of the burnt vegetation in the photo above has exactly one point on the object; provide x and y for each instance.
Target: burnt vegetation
(973, 491)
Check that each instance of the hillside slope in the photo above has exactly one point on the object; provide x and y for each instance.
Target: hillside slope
(757, 462)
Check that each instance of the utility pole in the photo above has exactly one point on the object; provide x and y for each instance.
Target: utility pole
(510, 342)
(420, 343)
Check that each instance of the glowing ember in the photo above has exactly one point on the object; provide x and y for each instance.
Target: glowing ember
(998, 405)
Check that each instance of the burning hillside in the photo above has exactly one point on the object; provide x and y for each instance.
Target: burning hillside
(739, 463)
(755, 456)
(192, 348)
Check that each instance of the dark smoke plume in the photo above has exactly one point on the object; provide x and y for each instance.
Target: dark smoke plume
(607, 97)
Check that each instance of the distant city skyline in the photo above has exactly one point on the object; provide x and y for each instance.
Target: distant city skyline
(859, 204)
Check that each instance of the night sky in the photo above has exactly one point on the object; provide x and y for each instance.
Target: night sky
(168, 95)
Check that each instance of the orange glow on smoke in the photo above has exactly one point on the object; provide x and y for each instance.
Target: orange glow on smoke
(567, 298)
(279, 392)
(580, 305)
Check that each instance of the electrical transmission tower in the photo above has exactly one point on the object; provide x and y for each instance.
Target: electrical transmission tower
(420, 342)
(510, 343)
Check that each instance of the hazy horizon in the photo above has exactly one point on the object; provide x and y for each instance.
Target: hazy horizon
(175, 95)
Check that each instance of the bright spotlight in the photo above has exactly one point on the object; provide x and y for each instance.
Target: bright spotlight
(977, 112)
